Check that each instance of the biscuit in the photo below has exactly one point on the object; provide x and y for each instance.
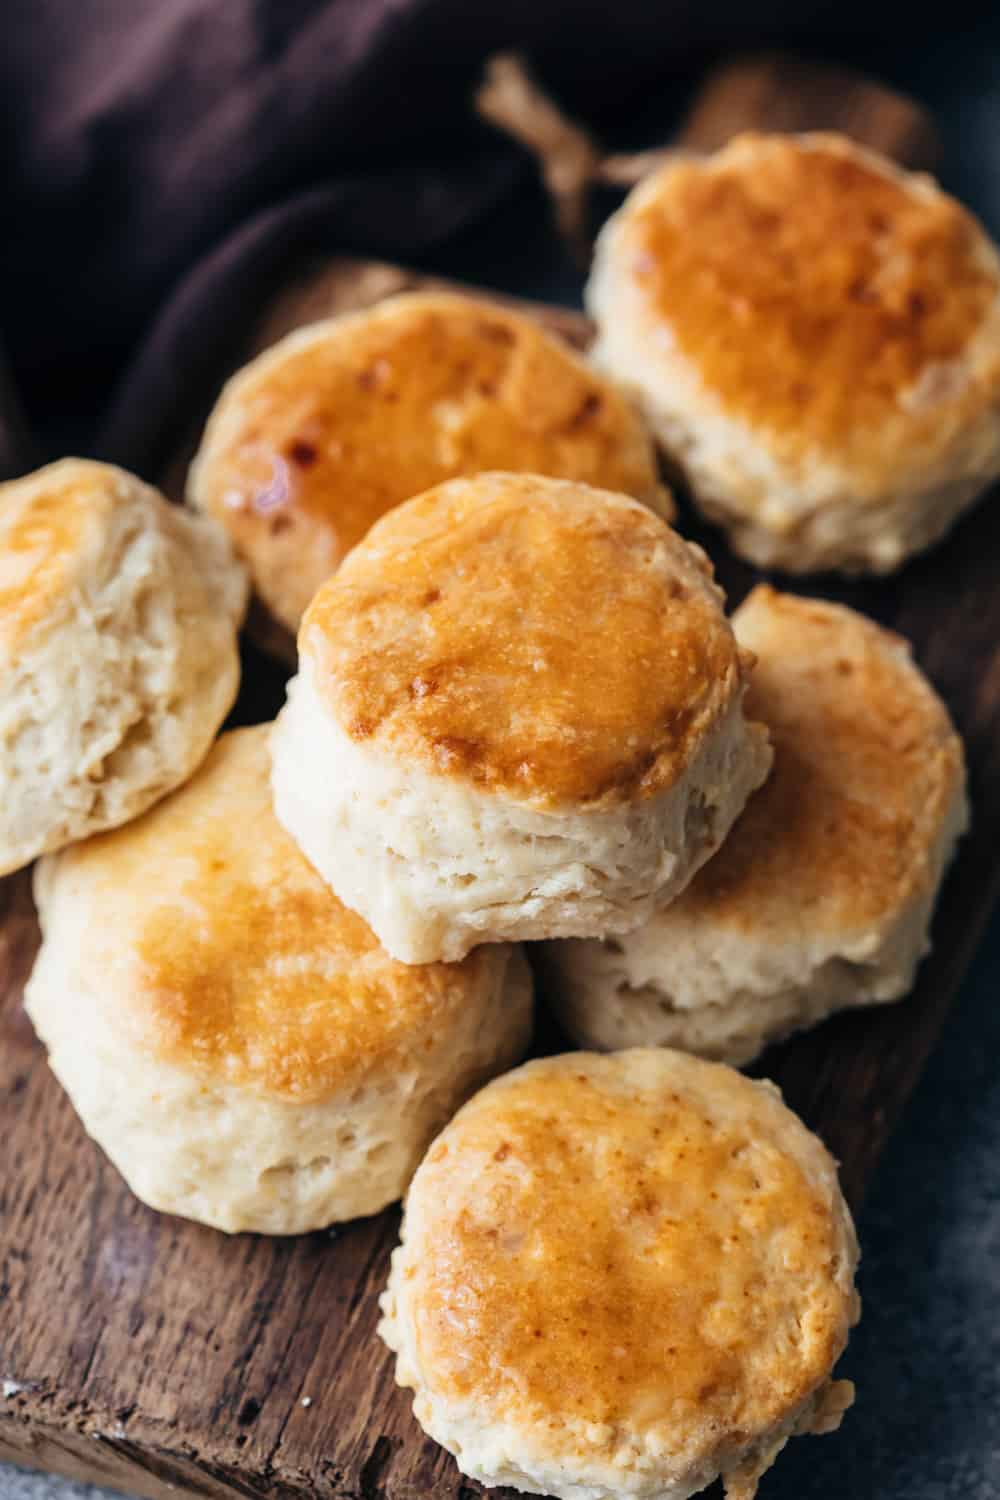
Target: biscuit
(118, 621)
(235, 1040)
(623, 1276)
(822, 895)
(518, 714)
(340, 421)
(814, 335)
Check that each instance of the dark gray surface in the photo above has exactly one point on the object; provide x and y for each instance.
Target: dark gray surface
(926, 1357)
(19, 1484)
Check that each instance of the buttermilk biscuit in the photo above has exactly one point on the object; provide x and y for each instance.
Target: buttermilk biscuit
(340, 421)
(118, 621)
(623, 1276)
(237, 1041)
(815, 337)
(822, 895)
(518, 714)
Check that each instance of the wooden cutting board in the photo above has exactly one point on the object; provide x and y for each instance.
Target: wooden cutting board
(164, 1359)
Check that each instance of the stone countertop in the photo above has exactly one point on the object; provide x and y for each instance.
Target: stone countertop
(926, 1356)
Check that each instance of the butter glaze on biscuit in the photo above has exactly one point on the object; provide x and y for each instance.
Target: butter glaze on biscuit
(341, 421)
(622, 1276)
(815, 335)
(544, 641)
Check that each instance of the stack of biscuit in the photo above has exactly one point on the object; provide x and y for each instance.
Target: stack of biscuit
(278, 970)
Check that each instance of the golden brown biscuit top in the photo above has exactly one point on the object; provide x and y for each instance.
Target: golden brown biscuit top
(46, 522)
(547, 641)
(811, 285)
(322, 435)
(867, 767)
(238, 960)
(642, 1241)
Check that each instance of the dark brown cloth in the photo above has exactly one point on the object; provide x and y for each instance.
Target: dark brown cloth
(165, 159)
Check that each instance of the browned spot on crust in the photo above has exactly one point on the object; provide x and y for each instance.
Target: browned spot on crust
(452, 750)
(588, 408)
(497, 333)
(302, 453)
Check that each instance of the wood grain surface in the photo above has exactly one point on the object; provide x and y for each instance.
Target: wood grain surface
(152, 1355)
